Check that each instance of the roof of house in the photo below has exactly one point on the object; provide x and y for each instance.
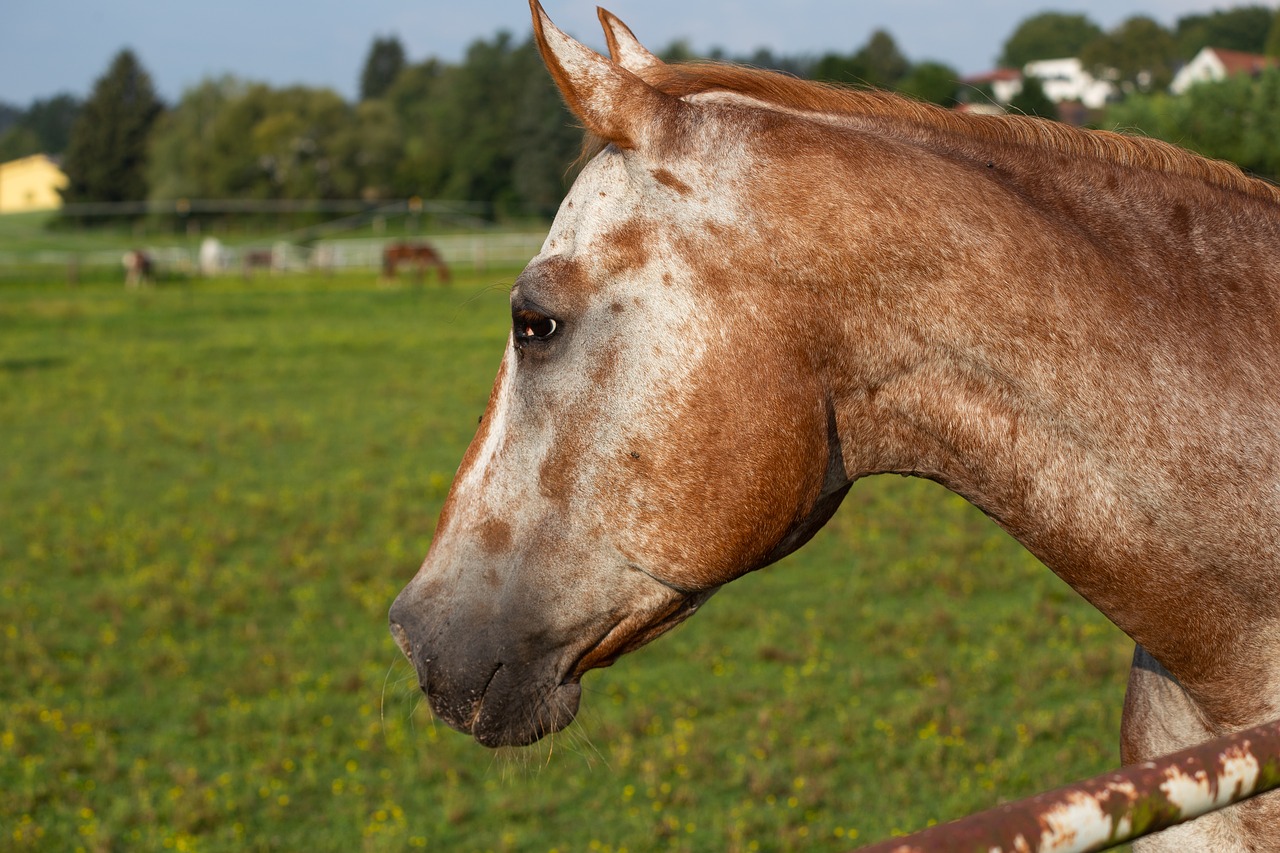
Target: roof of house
(999, 75)
(1238, 62)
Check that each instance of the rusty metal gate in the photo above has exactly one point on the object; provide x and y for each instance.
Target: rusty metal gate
(1116, 807)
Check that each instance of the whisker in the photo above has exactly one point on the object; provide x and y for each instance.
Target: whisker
(579, 741)
(581, 733)
(382, 700)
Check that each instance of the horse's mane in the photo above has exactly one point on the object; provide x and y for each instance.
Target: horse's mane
(791, 93)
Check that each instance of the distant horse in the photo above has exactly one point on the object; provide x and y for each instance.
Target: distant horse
(761, 289)
(139, 269)
(255, 259)
(213, 257)
(419, 256)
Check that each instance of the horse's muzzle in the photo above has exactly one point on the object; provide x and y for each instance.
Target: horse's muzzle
(509, 676)
(473, 687)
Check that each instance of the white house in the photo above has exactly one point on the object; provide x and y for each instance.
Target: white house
(1061, 79)
(1212, 64)
(1005, 83)
(1067, 80)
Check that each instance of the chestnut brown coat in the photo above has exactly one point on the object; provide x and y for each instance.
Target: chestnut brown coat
(761, 289)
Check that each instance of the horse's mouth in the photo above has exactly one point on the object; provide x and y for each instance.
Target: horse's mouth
(516, 704)
(542, 715)
(636, 630)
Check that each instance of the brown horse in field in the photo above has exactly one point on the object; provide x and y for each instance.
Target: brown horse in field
(419, 256)
(257, 259)
(139, 268)
(760, 289)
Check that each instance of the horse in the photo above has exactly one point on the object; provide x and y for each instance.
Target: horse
(420, 255)
(759, 290)
(213, 257)
(139, 268)
(255, 259)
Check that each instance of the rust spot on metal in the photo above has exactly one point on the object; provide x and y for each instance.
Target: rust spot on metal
(1108, 810)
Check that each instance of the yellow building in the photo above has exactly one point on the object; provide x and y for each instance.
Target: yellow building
(30, 183)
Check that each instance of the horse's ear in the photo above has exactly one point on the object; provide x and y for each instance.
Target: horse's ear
(611, 102)
(624, 47)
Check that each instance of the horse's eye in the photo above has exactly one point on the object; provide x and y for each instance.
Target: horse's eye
(532, 326)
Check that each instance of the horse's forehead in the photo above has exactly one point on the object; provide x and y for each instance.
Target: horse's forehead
(628, 210)
(605, 197)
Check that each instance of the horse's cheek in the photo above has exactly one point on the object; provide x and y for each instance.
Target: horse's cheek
(704, 502)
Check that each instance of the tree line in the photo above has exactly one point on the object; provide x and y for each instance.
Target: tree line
(1237, 119)
(1140, 54)
(492, 128)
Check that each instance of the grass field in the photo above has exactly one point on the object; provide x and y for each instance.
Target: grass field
(210, 494)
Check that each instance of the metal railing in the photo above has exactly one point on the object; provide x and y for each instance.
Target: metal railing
(1113, 808)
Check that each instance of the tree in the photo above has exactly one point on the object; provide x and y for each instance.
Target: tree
(1272, 47)
(295, 144)
(835, 68)
(763, 57)
(1139, 54)
(18, 141)
(43, 128)
(51, 119)
(1049, 35)
(230, 139)
(678, 51)
(383, 65)
(492, 129)
(1235, 119)
(476, 117)
(1244, 28)
(9, 116)
(884, 63)
(933, 82)
(199, 148)
(107, 151)
(1032, 101)
(368, 148)
(547, 138)
(414, 100)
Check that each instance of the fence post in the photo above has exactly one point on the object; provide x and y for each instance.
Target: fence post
(1116, 807)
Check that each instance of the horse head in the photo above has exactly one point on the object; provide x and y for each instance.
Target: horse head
(657, 427)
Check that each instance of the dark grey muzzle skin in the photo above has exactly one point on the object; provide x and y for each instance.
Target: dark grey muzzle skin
(503, 687)
(503, 662)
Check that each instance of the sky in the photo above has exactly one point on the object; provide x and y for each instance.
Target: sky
(52, 46)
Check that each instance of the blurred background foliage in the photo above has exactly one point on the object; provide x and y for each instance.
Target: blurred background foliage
(491, 128)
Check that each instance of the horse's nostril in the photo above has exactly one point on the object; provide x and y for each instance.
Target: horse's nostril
(402, 640)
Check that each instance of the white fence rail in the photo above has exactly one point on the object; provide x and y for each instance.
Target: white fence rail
(464, 251)
(478, 251)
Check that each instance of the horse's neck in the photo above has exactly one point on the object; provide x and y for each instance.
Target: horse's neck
(1126, 435)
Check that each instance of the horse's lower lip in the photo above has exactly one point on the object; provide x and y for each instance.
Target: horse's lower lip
(556, 710)
(514, 707)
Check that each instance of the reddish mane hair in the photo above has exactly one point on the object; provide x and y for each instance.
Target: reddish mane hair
(929, 121)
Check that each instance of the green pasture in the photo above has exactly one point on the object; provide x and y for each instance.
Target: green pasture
(210, 493)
